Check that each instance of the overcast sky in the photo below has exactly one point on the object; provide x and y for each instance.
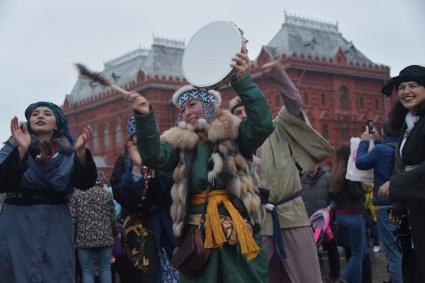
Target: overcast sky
(39, 40)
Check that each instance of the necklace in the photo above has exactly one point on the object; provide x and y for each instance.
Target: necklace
(148, 174)
(46, 152)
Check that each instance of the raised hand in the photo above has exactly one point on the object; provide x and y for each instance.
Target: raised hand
(274, 70)
(134, 154)
(242, 65)
(366, 135)
(138, 103)
(369, 135)
(80, 144)
(21, 136)
(269, 66)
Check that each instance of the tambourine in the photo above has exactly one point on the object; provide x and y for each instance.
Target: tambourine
(208, 54)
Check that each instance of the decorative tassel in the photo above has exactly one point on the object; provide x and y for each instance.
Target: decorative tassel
(214, 234)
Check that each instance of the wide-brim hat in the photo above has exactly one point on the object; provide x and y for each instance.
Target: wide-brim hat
(414, 73)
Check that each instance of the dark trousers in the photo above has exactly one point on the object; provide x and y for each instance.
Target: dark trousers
(409, 267)
(333, 257)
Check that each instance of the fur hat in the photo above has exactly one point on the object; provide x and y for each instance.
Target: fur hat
(189, 92)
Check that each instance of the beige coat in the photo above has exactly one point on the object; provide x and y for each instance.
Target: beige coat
(278, 172)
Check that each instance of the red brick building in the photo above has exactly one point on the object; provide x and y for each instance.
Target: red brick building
(340, 85)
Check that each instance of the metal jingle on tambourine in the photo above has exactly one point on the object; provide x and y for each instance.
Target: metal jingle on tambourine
(208, 54)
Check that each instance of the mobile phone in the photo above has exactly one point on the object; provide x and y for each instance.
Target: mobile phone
(370, 125)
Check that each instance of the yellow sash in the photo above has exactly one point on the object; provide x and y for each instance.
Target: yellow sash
(214, 235)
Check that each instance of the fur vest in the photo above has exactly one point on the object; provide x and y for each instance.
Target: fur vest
(227, 161)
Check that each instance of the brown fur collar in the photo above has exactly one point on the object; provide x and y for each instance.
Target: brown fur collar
(238, 180)
(225, 126)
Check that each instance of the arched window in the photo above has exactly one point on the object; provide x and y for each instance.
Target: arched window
(345, 135)
(106, 139)
(95, 141)
(377, 105)
(323, 99)
(325, 131)
(343, 97)
(361, 104)
(305, 98)
(118, 139)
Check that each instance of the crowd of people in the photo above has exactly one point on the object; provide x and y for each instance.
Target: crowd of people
(227, 195)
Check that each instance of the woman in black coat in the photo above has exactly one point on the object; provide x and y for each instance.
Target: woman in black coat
(409, 185)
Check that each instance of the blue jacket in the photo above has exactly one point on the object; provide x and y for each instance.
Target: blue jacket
(36, 240)
(381, 159)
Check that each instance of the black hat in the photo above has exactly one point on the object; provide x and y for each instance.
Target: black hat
(413, 73)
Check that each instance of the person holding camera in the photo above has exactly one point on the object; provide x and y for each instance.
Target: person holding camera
(381, 159)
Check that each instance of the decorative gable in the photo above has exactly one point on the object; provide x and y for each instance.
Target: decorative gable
(340, 57)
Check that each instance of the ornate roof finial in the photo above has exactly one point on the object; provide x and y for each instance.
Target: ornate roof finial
(126, 57)
(310, 23)
(168, 42)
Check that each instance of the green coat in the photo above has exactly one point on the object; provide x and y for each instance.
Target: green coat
(225, 264)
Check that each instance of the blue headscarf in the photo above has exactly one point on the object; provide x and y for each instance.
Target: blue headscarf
(61, 121)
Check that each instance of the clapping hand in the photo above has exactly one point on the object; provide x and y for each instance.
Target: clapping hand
(80, 144)
(21, 136)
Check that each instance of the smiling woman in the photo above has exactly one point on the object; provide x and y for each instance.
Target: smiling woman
(210, 153)
(43, 123)
(411, 95)
(40, 165)
(408, 186)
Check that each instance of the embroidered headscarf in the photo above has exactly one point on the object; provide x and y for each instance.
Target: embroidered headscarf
(61, 121)
(234, 103)
(131, 126)
(210, 100)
